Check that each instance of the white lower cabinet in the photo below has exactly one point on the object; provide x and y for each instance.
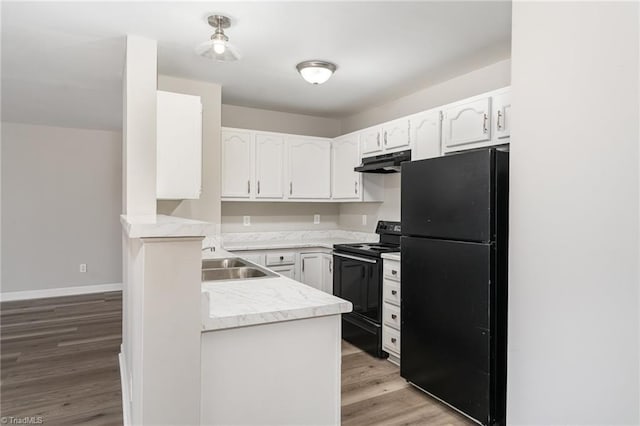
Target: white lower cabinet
(288, 271)
(316, 270)
(313, 267)
(391, 309)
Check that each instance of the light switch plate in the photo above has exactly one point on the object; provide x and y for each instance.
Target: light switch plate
(364, 219)
(246, 220)
(316, 219)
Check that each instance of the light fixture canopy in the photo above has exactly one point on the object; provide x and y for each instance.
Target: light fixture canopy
(316, 72)
(218, 47)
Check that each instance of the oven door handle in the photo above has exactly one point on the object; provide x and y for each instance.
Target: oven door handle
(362, 259)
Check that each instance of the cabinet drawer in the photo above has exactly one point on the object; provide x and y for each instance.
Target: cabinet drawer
(391, 292)
(274, 259)
(391, 315)
(391, 340)
(391, 269)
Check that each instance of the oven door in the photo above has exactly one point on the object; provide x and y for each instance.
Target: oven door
(357, 279)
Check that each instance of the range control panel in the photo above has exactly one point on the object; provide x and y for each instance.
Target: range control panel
(386, 227)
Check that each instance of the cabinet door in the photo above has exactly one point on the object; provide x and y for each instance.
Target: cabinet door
(287, 270)
(309, 168)
(467, 123)
(236, 164)
(269, 166)
(327, 273)
(311, 270)
(345, 155)
(179, 146)
(370, 142)
(395, 134)
(502, 117)
(425, 135)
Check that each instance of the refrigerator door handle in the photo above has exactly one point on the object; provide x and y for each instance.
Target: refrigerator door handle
(362, 259)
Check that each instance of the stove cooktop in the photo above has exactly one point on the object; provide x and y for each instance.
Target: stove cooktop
(368, 249)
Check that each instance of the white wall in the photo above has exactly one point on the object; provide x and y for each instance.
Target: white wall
(275, 121)
(207, 207)
(61, 201)
(573, 290)
(483, 79)
(278, 216)
(473, 83)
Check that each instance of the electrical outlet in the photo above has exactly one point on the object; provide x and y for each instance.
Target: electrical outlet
(83, 267)
(246, 220)
(316, 219)
(364, 219)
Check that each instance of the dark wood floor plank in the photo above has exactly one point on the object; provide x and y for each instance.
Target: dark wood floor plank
(60, 359)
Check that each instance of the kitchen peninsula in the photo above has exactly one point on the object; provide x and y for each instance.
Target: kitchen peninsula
(266, 342)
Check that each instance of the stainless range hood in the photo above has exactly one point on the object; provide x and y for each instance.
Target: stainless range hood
(384, 163)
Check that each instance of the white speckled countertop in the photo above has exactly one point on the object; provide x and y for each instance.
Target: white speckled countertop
(293, 239)
(241, 303)
(391, 256)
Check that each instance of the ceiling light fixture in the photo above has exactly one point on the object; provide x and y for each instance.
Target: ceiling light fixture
(218, 47)
(316, 72)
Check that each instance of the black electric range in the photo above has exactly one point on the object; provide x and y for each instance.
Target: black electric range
(357, 277)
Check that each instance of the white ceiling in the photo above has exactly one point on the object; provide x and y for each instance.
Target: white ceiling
(62, 62)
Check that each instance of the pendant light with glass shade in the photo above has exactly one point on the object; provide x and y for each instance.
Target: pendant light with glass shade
(218, 47)
(316, 72)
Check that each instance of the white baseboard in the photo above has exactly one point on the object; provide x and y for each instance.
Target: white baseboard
(126, 397)
(57, 292)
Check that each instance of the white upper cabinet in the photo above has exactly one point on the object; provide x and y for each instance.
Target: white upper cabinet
(236, 163)
(371, 141)
(269, 160)
(467, 122)
(345, 156)
(395, 135)
(179, 146)
(309, 168)
(502, 116)
(425, 134)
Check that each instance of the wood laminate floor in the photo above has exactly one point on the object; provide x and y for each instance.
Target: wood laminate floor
(374, 394)
(60, 359)
(59, 364)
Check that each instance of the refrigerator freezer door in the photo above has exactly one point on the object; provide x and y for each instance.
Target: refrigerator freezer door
(449, 197)
(445, 337)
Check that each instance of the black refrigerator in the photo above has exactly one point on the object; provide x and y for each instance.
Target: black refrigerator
(453, 290)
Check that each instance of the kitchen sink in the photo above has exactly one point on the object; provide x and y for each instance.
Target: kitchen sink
(231, 262)
(233, 268)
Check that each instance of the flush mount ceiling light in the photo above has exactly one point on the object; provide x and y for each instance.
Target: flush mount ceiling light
(316, 72)
(218, 47)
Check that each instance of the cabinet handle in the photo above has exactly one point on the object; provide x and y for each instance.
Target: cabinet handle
(378, 139)
(484, 124)
(290, 188)
(356, 187)
(499, 117)
(258, 187)
(394, 316)
(331, 266)
(385, 137)
(394, 292)
(393, 340)
(248, 187)
(281, 258)
(394, 272)
(302, 265)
